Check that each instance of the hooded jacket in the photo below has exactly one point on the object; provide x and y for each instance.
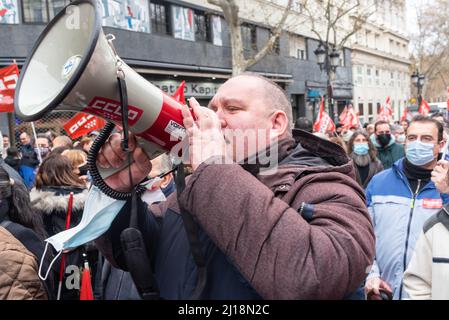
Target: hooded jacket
(302, 232)
(390, 153)
(398, 214)
(52, 204)
(19, 278)
(427, 276)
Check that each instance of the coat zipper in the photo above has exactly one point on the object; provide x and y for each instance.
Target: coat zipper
(412, 207)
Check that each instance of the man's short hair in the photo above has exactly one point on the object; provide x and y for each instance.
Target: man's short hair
(304, 124)
(63, 141)
(380, 122)
(275, 94)
(421, 118)
(44, 136)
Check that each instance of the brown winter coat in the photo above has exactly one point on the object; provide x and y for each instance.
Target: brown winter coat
(301, 233)
(19, 278)
(260, 227)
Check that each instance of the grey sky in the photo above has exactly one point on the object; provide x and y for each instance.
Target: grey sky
(411, 13)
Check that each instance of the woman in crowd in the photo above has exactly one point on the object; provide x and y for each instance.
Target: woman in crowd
(79, 162)
(55, 182)
(21, 242)
(363, 152)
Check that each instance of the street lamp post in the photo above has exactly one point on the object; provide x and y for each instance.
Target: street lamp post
(328, 59)
(418, 80)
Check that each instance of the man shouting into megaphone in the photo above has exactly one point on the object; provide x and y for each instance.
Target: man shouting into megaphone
(293, 228)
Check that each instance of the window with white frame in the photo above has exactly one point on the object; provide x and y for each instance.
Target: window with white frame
(359, 75)
(369, 75)
(377, 77)
(298, 47)
(342, 58)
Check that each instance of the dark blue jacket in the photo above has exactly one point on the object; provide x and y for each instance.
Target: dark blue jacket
(172, 255)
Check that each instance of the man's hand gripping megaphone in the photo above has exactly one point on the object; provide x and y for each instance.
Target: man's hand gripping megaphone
(205, 138)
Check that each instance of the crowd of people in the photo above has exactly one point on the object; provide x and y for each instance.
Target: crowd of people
(395, 163)
(358, 213)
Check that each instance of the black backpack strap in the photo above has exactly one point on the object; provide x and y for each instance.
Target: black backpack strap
(33, 244)
(191, 228)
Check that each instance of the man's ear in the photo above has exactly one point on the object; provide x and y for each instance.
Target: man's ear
(279, 124)
(441, 145)
(166, 180)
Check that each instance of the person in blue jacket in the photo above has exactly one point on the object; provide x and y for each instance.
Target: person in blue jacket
(400, 200)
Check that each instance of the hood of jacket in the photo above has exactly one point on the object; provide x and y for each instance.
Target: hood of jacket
(306, 153)
(53, 200)
(378, 146)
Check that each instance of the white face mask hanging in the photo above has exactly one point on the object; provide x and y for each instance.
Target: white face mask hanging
(98, 215)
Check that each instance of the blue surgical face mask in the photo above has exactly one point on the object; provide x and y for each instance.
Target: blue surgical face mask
(419, 153)
(361, 149)
(98, 215)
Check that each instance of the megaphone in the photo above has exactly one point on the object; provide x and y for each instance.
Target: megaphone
(74, 67)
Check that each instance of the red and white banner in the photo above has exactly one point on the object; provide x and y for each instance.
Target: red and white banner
(323, 122)
(349, 118)
(386, 112)
(424, 108)
(8, 80)
(83, 123)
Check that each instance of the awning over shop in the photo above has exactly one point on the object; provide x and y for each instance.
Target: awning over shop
(313, 94)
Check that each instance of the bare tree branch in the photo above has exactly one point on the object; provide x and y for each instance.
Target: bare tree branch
(230, 11)
(274, 37)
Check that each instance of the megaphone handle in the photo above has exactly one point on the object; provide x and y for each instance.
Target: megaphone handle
(97, 177)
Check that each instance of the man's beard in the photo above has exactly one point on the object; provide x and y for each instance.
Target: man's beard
(361, 161)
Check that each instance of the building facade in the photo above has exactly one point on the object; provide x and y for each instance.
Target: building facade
(170, 41)
(381, 62)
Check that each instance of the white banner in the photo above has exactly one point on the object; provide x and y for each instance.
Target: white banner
(183, 23)
(129, 15)
(216, 30)
(9, 12)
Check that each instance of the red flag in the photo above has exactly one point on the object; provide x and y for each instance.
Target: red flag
(323, 122)
(424, 108)
(385, 112)
(86, 292)
(8, 81)
(179, 93)
(351, 119)
(83, 123)
(343, 115)
(406, 115)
